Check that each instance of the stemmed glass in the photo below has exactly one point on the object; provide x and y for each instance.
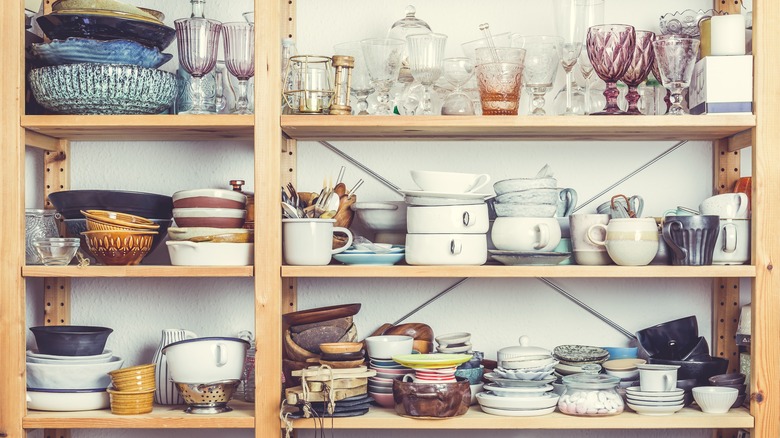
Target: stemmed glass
(541, 65)
(641, 63)
(457, 71)
(361, 83)
(676, 58)
(610, 49)
(572, 20)
(197, 40)
(239, 39)
(586, 68)
(383, 60)
(426, 52)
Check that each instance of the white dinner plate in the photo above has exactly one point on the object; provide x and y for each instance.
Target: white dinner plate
(655, 410)
(518, 413)
(533, 402)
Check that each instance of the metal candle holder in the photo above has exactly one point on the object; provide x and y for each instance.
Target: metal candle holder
(310, 79)
(343, 82)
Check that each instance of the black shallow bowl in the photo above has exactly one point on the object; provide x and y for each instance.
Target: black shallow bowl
(69, 203)
(671, 339)
(71, 340)
(699, 370)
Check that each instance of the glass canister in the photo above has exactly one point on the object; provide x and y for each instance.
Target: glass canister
(38, 224)
(591, 394)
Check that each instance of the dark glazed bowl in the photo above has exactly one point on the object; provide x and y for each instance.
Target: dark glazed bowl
(431, 400)
(728, 379)
(670, 340)
(71, 340)
(69, 203)
(699, 370)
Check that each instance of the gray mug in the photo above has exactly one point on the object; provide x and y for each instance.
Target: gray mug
(691, 238)
(567, 200)
(621, 208)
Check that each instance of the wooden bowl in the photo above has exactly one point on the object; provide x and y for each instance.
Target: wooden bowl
(119, 248)
(320, 314)
(341, 347)
(294, 351)
(131, 402)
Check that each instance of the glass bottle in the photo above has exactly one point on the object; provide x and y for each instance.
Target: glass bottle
(184, 80)
(289, 79)
(591, 394)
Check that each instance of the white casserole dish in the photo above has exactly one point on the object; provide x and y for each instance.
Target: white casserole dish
(186, 253)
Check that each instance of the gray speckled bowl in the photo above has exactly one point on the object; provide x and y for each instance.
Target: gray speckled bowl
(103, 89)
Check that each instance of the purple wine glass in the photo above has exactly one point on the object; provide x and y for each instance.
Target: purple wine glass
(641, 63)
(610, 49)
(676, 58)
(239, 39)
(197, 40)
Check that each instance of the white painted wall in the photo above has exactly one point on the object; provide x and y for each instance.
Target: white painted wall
(495, 311)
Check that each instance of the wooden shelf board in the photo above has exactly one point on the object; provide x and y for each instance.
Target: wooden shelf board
(490, 271)
(162, 127)
(137, 271)
(640, 128)
(170, 417)
(688, 418)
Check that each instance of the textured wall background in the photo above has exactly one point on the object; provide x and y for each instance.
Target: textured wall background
(495, 311)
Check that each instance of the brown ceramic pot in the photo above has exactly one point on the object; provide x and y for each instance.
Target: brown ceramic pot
(431, 400)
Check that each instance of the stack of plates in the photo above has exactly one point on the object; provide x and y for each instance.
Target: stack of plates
(454, 343)
(367, 257)
(380, 387)
(517, 401)
(571, 358)
(655, 403)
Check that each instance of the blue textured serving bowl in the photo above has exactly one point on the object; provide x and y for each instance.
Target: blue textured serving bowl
(85, 50)
(103, 89)
(622, 352)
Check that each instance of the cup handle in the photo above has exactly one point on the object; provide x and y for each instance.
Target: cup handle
(679, 253)
(637, 204)
(410, 378)
(479, 182)
(456, 246)
(743, 205)
(569, 196)
(467, 219)
(222, 358)
(349, 240)
(544, 236)
(670, 212)
(729, 238)
(189, 335)
(597, 241)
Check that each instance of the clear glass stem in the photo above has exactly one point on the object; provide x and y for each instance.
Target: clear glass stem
(588, 101)
(383, 99)
(676, 99)
(569, 94)
(198, 96)
(221, 102)
(426, 100)
(242, 101)
(361, 104)
(538, 101)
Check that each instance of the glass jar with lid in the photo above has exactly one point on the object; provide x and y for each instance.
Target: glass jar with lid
(590, 394)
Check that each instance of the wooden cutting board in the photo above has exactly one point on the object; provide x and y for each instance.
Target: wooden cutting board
(294, 395)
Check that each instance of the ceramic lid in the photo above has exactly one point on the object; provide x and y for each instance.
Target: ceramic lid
(590, 379)
(522, 350)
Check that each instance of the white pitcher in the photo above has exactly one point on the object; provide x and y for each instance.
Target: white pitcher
(166, 392)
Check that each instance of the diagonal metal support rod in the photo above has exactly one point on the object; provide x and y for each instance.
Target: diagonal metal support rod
(362, 167)
(436, 297)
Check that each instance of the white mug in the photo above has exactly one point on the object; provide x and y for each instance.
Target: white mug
(657, 378)
(309, 242)
(526, 233)
(585, 252)
(629, 242)
(726, 205)
(733, 244)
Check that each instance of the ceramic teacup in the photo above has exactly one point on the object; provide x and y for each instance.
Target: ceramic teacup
(657, 377)
(691, 238)
(526, 233)
(629, 242)
(618, 206)
(309, 242)
(733, 244)
(585, 252)
(726, 205)
(449, 182)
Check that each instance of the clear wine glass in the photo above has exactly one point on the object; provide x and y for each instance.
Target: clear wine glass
(458, 71)
(239, 39)
(610, 49)
(221, 100)
(197, 41)
(383, 60)
(640, 66)
(586, 68)
(541, 65)
(361, 86)
(572, 20)
(676, 58)
(426, 52)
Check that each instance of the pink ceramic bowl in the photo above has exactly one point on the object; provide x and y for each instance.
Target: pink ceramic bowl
(209, 217)
(209, 198)
(383, 399)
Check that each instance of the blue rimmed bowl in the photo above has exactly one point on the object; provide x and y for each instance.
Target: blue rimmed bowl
(84, 50)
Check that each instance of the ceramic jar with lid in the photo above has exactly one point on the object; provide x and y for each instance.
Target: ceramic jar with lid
(523, 355)
(591, 394)
(250, 203)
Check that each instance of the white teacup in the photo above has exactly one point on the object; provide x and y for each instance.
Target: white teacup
(585, 252)
(449, 182)
(733, 244)
(657, 377)
(526, 233)
(726, 205)
(629, 242)
(309, 242)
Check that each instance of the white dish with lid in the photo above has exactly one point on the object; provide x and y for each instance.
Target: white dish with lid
(523, 352)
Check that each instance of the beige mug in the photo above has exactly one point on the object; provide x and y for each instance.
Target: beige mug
(309, 242)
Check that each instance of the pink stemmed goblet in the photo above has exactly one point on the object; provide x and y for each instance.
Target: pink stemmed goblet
(676, 58)
(610, 49)
(197, 40)
(641, 63)
(239, 39)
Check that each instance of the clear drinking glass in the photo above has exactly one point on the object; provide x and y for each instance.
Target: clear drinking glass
(586, 68)
(639, 68)
(610, 49)
(426, 52)
(541, 66)
(239, 39)
(572, 20)
(676, 58)
(197, 40)
(383, 60)
(361, 86)
(457, 71)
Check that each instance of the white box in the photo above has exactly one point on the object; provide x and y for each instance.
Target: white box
(722, 84)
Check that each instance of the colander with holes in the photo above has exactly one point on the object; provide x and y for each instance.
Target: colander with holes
(208, 398)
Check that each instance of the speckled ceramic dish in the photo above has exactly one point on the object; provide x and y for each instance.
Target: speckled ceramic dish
(115, 26)
(81, 50)
(580, 354)
(103, 89)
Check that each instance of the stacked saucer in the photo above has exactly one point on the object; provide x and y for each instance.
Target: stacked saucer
(655, 402)
(454, 343)
(571, 358)
(380, 387)
(517, 401)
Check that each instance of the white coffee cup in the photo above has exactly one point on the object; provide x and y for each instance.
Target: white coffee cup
(629, 242)
(526, 233)
(309, 242)
(449, 182)
(657, 377)
(726, 205)
(585, 252)
(733, 244)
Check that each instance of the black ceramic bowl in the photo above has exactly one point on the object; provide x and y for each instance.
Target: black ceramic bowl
(71, 340)
(671, 339)
(69, 203)
(699, 370)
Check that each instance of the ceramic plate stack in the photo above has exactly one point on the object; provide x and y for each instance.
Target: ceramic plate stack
(571, 358)
(654, 403)
(517, 401)
(380, 387)
(386, 254)
(624, 369)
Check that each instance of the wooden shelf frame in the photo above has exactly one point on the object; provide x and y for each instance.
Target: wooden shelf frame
(139, 271)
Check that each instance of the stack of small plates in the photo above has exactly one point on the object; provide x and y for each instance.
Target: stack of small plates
(352, 256)
(380, 387)
(655, 403)
(517, 401)
(454, 343)
(571, 358)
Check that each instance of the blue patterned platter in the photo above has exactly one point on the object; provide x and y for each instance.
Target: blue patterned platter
(106, 27)
(80, 50)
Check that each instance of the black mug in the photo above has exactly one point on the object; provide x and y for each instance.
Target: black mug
(691, 238)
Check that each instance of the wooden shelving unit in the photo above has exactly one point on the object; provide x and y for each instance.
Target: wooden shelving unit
(137, 271)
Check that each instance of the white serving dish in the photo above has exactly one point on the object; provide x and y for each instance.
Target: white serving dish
(382, 216)
(71, 376)
(453, 338)
(518, 412)
(524, 375)
(179, 233)
(67, 401)
(535, 402)
(448, 219)
(387, 346)
(520, 391)
(186, 253)
(35, 357)
(624, 375)
(446, 249)
(205, 360)
(455, 182)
